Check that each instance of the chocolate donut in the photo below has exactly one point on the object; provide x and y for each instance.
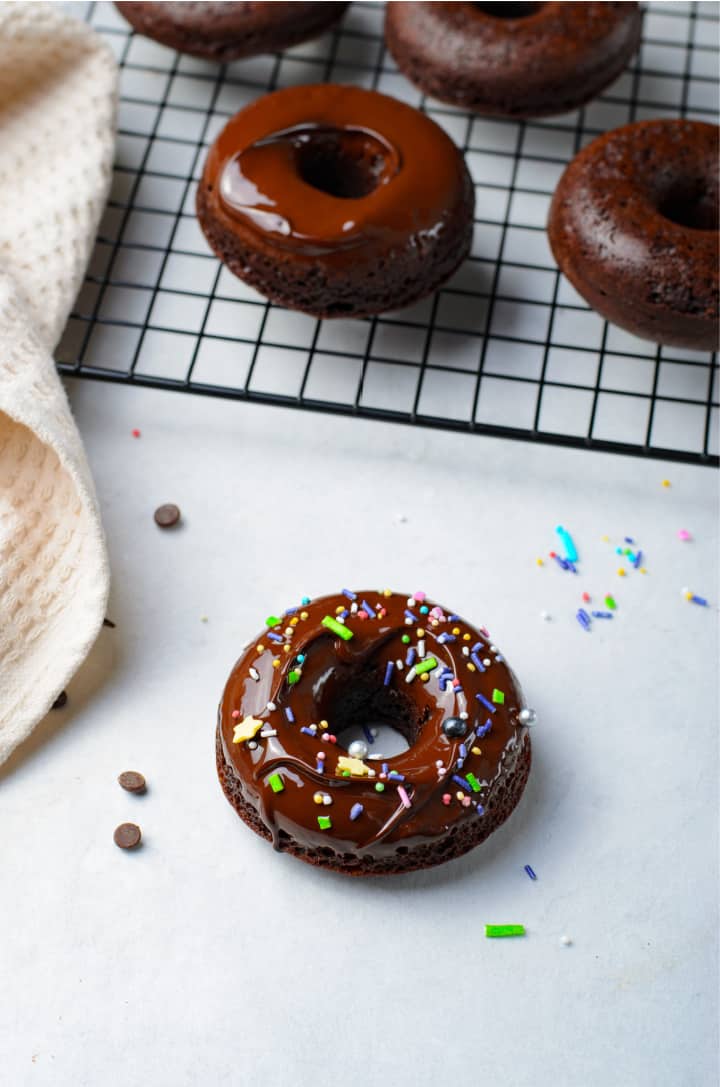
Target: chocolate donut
(349, 661)
(634, 226)
(227, 31)
(513, 60)
(336, 201)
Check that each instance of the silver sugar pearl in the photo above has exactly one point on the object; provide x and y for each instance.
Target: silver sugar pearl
(359, 750)
(527, 717)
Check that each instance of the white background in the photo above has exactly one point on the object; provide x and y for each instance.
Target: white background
(205, 958)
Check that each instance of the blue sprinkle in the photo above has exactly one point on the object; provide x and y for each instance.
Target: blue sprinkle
(530, 872)
(384, 768)
(306, 600)
(342, 614)
(371, 611)
(463, 751)
(459, 764)
(289, 714)
(410, 656)
(446, 638)
(570, 548)
(699, 600)
(477, 662)
(424, 609)
(349, 594)
(629, 539)
(453, 618)
(388, 673)
(484, 729)
(368, 734)
(306, 730)
(275, 637)
(443, 682)
(462, 783)
(300, 658)
(320, 766)
(486, 704)
(396, 776)
(619, 551)
(638, 559)
(570, 566)
(561, 562)
(289, 611)
(409, 615)
(458, 690)
(602, 615)
(477, 647)
(480, 809)
(583, 618)
(356, 811)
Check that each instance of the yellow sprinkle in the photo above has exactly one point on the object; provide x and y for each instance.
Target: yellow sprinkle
(420, 632)
(324, 726)
(643, 570)
(425, 677)
(466, 637)
(476, 750)
(621, 572)
(203, 618)
(286, 648)
(260, 648)
(459, 796)
(246, 729)
(387, 592)
(276, 662)
(294, 621)
(434, 622)
(688, 596)
(355, 766)
(318, 798)
(470, 666)
(605, 539)
(339, 610)
(666, 483)
(303, 615)
(539, 562)
(456, 630)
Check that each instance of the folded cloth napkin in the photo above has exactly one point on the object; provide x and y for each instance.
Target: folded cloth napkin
(58, 85)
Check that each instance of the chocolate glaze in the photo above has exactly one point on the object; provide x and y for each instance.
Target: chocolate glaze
(272, 171)
(634, 227)
(513, 60)
(343, 683)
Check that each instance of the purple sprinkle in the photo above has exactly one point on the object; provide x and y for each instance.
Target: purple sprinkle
(289, 611)
(371, 611)
(453, 618)
(275, 637)
(629, 539)
(638, 559)
(571, 566)
(480, 809)
(602, 615)
(306, 730)
(463, 751)
(384, 768)
(289, 714)
(410, 656)
(356, 811)
(561, 562)
(477, 646)
(443, 682)
(486, 704)
(444, 637)
(409, 615)
(349, 594)
(396, 776)
(530, 872)
(368, 734)
(484, 729)
(388, 672)
(462, 783)
(477, 662)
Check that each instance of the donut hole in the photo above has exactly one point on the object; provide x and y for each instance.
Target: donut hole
(358, 702)
(343, 162)
(509, 11)
(692, 203)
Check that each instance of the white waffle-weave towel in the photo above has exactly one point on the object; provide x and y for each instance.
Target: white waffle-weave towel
(58, 86)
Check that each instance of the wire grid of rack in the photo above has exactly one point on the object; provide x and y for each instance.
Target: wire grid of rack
(506, 347)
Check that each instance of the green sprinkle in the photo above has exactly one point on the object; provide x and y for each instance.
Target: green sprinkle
(473, 782)
(610, 602)
(425, 666)
(337, 628)
(294, 676)
(324, 822)
(379, 787)
(498, 696)
(273, 621)
(276, 783)
(346, 774)
(504, 930)
(405, 639)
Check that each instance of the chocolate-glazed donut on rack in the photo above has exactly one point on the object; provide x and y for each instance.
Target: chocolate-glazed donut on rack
(337, 201)
(349, 661)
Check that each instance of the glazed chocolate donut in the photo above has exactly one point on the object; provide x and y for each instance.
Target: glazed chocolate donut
(336, 201)
(513, 60)
(227, 31)
(349, 661)
(634, 227)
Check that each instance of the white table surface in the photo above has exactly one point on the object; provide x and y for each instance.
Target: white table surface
(205, 958)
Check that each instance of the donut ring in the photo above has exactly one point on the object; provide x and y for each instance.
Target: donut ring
(353, 659)
(634, 226)
(513, 60)
(228, 31)
(336, 200)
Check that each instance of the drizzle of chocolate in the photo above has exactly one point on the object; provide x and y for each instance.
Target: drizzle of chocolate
(332, 668)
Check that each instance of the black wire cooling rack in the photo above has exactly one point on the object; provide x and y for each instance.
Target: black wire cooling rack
(506, 347)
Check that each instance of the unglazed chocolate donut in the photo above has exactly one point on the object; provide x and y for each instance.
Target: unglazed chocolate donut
(336, 200)
(351, 660)
(227, 31)
(513, 60)
(634, 226)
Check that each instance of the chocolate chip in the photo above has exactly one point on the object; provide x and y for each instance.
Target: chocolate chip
(109, 623)
(166, 516)
(60, 701)
(127, 835)
(132, 781)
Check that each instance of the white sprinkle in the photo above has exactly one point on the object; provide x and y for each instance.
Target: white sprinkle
(463, 716)
(492, 648)
(374, 731)
(566, 941)
(271, 706)
(399, 665)
(252, 744)
(439, 763)
(487, 662)
(339, 619)
(411, 675)
(254, 674)
(327, 799)
(400, 518)
(421, 648)
(466, 651)
(268, 733)
(408, 622)
(353, 607)
(546, 616)
(410, 602)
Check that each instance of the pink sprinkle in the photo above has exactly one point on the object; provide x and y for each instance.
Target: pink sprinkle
(362, 614)
(325, 737)
(684, 534)
(235, 713)
(332, 739)
(135, 433)
(586, 597)
(419, 597)
(466, 801)
(456, 683)
(382, 613)
(446, 798)
(437, 613)
(403, 796)
(320, 755)
(485, 631)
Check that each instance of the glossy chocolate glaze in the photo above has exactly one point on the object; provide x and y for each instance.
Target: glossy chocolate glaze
(634, 227)
(334, 170)
(514, 60)
(344, 682)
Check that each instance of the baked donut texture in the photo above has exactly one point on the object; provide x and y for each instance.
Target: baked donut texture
(228, 31)
(513, 60)
(336, 200)
(634, 226)
(353, 660)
